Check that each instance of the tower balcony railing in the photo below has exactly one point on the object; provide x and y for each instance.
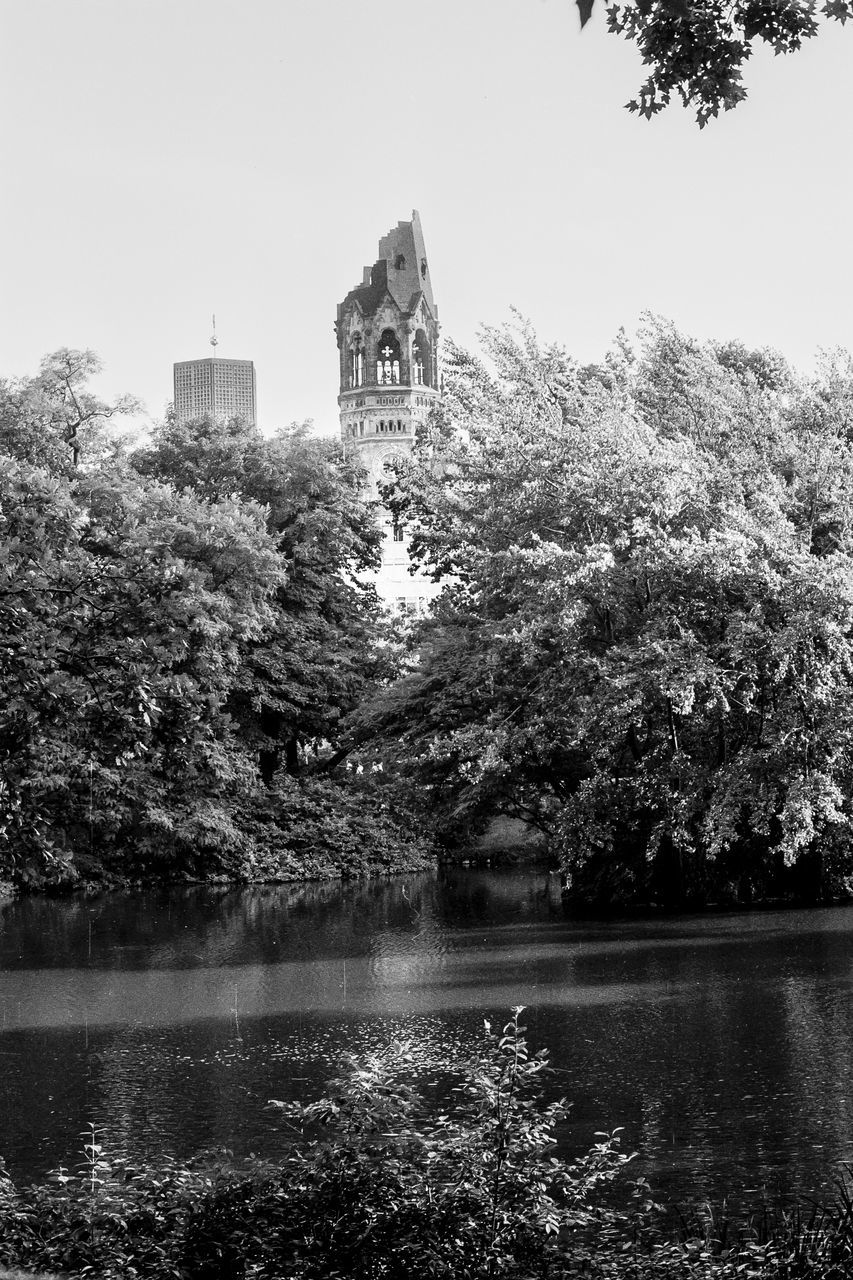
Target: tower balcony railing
(386, 427)
(397, 380)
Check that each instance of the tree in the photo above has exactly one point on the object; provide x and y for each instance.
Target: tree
(297, 685)
(171, 633)
(54, 419)
(697, 48)
(123, 611)
(644, 643)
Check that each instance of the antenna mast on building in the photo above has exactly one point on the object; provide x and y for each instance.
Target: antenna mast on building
(214, 340)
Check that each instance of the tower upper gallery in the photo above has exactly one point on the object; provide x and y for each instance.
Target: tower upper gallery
(387, 332)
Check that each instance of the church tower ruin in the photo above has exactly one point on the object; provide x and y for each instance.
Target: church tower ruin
(387, 331)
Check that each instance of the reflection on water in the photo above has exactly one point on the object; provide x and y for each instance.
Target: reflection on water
(720, 1044)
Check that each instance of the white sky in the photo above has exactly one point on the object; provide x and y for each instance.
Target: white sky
(165, 159)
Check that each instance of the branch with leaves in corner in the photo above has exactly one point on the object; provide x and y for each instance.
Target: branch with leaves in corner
(696, 49)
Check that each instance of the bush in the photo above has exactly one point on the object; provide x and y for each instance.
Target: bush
(390, 1175)
(403, 1172)
(317, 827)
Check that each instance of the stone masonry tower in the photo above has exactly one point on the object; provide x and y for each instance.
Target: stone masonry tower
(387, 331)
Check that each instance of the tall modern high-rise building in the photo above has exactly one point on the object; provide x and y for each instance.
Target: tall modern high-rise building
(216, 387)
(387, 331)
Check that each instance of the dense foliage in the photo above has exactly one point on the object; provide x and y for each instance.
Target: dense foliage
(405, 1171)
(183, 633)
(696, 49)
(643, 646)
(644, 642)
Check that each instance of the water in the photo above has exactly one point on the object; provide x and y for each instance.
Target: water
(721, 1044)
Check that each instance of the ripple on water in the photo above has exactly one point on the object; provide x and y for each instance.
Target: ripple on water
(721, 1044)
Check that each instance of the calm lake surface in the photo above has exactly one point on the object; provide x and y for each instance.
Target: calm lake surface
(721, 1044)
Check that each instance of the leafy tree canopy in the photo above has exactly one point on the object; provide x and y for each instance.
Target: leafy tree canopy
(644, 641)
(311, 669)
(175, 628)
(123, 610)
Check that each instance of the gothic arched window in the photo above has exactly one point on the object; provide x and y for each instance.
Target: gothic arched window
(388, 358)
(421, 360)
(356, 362)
